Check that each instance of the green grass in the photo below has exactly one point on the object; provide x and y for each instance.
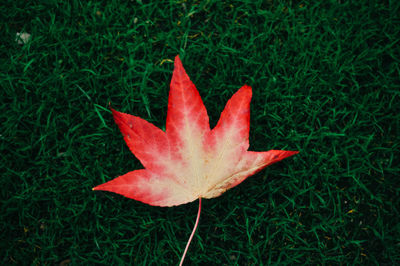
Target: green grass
(326, 82)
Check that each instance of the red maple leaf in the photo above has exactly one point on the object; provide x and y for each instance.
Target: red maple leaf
(189, 161)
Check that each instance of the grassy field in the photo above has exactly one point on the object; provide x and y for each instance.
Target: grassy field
(326, 82)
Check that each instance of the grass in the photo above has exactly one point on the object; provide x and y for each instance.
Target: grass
(325, 76)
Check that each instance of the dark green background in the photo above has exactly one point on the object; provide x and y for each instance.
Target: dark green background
(325, 77)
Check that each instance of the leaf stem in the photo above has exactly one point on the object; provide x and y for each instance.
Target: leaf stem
(191, 236)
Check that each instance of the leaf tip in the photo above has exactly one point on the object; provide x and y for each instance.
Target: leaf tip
(96, 188)
(246, 86)
(178, 63)
(290, 153)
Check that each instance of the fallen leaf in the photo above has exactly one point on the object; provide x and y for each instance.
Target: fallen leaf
(189, 161)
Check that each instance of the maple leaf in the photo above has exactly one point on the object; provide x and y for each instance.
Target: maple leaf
(189, 161)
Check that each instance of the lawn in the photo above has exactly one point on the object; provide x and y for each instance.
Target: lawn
(326, 82)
